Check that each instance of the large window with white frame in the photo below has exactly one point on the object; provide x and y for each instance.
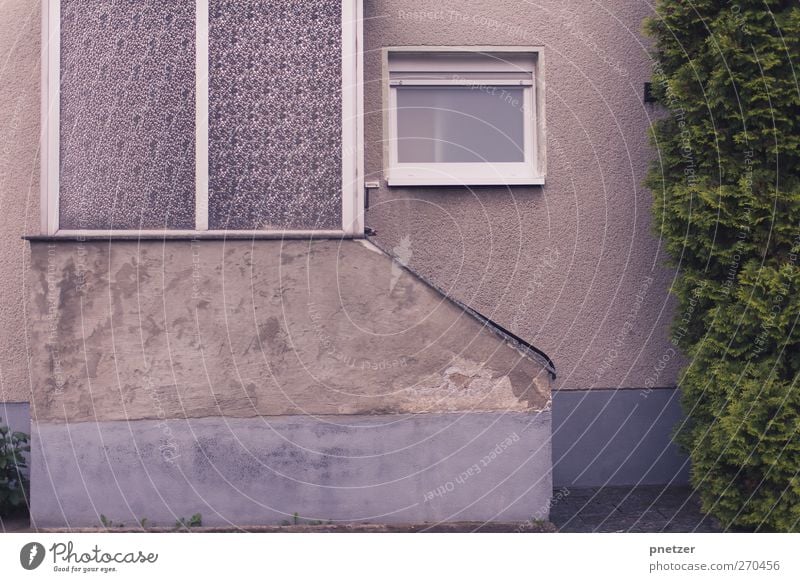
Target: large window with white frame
(201, 117)
(466, 117)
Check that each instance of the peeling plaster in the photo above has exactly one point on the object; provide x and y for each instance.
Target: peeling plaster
(145, 338)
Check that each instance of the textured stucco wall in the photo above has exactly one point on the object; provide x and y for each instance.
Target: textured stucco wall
(19, 182)
(561, 266)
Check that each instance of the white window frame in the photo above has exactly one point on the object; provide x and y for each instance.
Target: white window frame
(352, 135)
(480, 66)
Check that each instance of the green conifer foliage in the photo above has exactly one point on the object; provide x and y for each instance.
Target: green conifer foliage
(726, 184)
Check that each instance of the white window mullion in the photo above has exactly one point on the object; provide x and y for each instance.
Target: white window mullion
(51, 119)
(352, 145)
(201, 116)
(360, 194)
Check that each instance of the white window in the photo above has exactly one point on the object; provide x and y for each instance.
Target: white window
(464, 117)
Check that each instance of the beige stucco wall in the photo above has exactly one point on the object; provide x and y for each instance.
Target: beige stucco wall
(560, 266)
(19, 182)
(571, 267)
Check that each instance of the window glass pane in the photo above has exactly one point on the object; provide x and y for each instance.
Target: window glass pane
(460, 124)
(127, 114)
(275, 108)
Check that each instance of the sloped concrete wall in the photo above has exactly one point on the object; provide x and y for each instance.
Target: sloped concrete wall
(142, 330)
(341, 370)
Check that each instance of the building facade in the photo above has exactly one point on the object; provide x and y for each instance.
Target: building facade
(379, 261)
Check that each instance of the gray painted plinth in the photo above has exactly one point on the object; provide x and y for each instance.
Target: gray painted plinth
(386, 469)
(617, 437)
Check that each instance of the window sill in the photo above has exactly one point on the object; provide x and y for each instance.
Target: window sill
(464, 174)
(182, 235)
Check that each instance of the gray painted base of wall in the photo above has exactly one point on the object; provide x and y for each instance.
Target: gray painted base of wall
(601, 437)
(389, 469)
(617, 437)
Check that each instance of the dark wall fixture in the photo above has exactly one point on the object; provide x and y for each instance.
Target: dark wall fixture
(648, 93)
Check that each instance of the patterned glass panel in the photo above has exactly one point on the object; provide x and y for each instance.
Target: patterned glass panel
(127, 114)
(275, 108)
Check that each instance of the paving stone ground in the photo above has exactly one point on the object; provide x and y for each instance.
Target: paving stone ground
(14, 525)
(608, 509)
(629, 509)
(22, 525)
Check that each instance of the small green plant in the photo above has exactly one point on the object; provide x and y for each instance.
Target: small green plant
(143, 523)
(184, 524)
(14, 485)
(297, 520)
(108, 524)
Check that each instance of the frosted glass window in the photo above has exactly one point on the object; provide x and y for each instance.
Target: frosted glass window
(201, 116)
(460, 124)
(127, 130)
(275, 114)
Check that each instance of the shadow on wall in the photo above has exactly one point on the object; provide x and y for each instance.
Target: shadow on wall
(617, 437)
